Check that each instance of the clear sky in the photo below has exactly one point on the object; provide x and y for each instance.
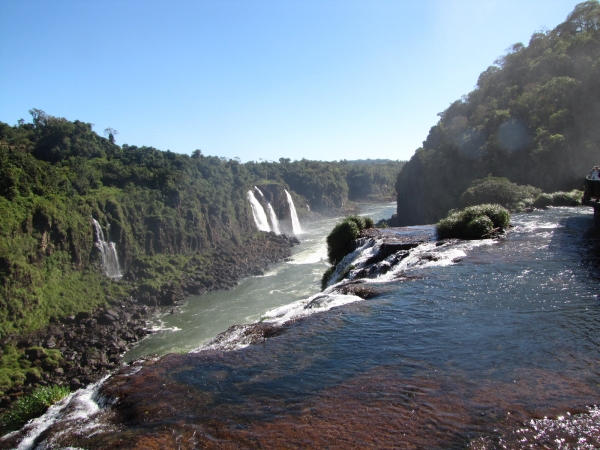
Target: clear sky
(255, 79)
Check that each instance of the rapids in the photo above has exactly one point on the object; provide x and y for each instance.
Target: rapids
(481, 344)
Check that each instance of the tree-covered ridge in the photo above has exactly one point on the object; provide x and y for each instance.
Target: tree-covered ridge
(163, 210)
(533, 118)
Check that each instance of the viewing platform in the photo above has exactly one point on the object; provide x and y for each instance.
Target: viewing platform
(591, 197)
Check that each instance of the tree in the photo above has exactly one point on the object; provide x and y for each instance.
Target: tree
(110, 134)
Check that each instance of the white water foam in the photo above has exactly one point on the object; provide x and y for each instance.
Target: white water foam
(108, 250)
(258, 213)
(306, 307)
(75, 411)
(311, 255)
(273, 217)
(366, 249)
(295, 222)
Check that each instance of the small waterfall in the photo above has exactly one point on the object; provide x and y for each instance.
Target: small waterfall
(258, 212)
(261, 194)
(295, 222)
(273, 218)
(110, 261)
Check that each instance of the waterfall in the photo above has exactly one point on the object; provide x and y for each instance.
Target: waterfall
(295, 222)
(260, 218)
(273, 218)
(260, 192)
(108, 250)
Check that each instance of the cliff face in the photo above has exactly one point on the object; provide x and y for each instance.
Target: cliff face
(531, 119)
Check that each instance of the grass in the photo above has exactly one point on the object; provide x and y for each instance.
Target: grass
(33, 405)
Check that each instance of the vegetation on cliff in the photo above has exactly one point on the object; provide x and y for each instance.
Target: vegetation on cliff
(531, 119)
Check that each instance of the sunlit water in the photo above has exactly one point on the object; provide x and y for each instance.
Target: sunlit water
(201, 318)
(485, 344)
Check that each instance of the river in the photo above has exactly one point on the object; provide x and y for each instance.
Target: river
(201, 318)
(480, 344)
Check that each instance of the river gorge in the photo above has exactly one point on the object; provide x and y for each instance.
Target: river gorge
(477, 344)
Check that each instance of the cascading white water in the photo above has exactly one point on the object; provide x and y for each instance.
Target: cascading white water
(108, 250)
(260, 192)
(295, 222)
(273, 217)
(258, 212)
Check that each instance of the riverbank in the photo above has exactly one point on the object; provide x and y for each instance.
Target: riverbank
(91, 344)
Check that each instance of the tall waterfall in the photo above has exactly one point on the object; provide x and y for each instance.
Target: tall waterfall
(108, 250)
(295, 222)
(273, 218)
(260, 218)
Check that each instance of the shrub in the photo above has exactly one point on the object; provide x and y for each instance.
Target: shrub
(572, 198)
(543, 201)
(473, 222)
(33, 405)
(339, 241)
(560, 198)
(479, 226)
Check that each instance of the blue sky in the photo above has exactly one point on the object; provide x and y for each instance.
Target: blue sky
(323, 80)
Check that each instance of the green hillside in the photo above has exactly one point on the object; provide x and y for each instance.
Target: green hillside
(532, 118)
(163, 210)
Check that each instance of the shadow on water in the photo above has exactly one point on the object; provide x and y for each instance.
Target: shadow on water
(582, 238)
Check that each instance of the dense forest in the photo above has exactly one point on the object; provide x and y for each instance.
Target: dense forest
(163, 210)
(532, 119)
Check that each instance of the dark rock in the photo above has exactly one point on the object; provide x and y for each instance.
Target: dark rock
(68, 320)
(82, 316)
(75, 384)
(107, 319)
(34, 353)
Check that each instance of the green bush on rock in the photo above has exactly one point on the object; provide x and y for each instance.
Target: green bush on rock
(474, 222)
(340, 241)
